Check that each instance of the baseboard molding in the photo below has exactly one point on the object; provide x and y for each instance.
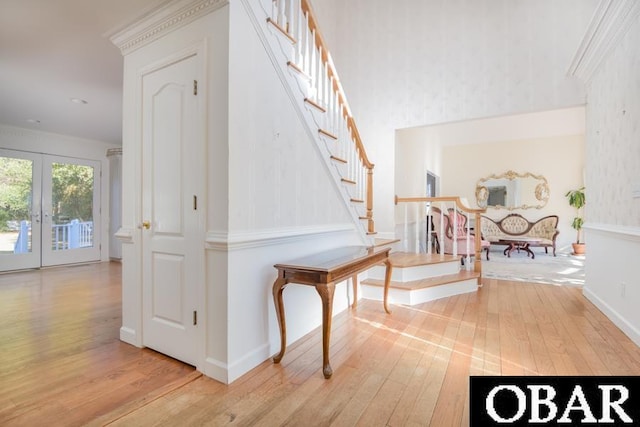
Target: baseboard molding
(614, 316)
(129, 336)
(248, 362)
(215, 369)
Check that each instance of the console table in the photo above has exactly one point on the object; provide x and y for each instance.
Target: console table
(323, 271)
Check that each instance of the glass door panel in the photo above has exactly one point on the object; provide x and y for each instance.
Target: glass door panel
(71, 216)
(20, 232)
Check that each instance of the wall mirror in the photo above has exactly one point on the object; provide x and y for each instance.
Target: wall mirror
(512, 190)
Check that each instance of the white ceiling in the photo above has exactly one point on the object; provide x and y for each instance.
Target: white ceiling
(54, 50)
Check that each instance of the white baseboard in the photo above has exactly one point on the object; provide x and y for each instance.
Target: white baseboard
(622, 323)
(248, 362)
(129, 336)
(215, 369)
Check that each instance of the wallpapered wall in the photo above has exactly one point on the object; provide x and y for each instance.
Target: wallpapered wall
(613, 136)
(415, 62)
(276, 177)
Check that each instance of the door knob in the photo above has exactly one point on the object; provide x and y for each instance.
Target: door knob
(146, 225)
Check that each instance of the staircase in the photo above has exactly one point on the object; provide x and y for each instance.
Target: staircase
(289, 32)
(418, 278)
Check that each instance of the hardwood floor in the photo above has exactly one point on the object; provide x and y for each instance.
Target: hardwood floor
(61, 362)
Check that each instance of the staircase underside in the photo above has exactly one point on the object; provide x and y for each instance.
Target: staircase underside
(418, 278)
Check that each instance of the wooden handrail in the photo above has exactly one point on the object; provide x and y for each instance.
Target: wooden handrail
(337, 86)
(313, 61)
(455, 199)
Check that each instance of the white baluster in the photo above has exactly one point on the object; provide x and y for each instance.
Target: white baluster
(307, 48)
(299, 25)
(281, 14)
(468, 230)
(454, 222)
(428, 220)
(417, 229)
(319, 78)
(443, 210)
(363, 180)
(288, 14)
(405, 237)
(327, 82)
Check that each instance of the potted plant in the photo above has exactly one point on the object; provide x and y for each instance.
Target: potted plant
(577, 200)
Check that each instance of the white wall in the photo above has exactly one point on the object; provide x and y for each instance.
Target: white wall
(276, 177)
(559, 159)
(549, 143)
(14, 138)
(613, 174)
(282, 204)
(269, 197)
(417, 150)
(210, 33)
(410, 63)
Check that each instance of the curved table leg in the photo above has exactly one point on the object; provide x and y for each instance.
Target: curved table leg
(529, 251)
(278, 286)
(326, 295)
(354, 282)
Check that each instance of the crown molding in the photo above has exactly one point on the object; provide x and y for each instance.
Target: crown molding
(610, 22)
(158, 22)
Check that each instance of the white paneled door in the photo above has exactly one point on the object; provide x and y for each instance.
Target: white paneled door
(49, 210)
(172, 225)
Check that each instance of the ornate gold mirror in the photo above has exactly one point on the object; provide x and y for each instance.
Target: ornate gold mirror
(512, 190)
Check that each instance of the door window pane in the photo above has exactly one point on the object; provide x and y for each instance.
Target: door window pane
(16, 179)
(71, 206)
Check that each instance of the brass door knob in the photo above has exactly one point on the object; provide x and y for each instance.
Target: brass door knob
(146, 225)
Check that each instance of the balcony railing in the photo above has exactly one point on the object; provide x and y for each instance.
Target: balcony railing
(72, 235)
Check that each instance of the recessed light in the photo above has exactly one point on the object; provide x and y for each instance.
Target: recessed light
(34, 121)
(78, 101)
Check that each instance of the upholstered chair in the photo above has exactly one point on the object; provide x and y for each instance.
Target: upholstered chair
(446, 240)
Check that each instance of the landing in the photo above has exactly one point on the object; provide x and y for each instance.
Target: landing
(406, 259)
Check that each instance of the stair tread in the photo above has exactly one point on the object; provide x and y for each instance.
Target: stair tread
(404, 259)
(382, 242)
(425, 283)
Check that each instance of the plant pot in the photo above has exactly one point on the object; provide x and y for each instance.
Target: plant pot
(578, 248)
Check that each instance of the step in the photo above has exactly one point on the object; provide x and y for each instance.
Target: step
(315, 105)
(324, 132)
(408, 267)
(281, 30)
(421, 291)
(382, 242)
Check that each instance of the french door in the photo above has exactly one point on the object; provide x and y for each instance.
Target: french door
(49, 210)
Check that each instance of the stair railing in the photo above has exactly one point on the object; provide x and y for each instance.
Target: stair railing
(421, 234)
(311, 59)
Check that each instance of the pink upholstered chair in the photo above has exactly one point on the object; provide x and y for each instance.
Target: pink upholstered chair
(460, 222)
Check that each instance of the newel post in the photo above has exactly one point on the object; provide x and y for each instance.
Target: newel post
(477, 265)
(370, 225)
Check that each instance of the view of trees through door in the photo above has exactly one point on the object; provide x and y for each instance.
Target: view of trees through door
(47, 206)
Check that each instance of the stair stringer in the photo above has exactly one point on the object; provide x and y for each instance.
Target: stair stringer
(276, 46)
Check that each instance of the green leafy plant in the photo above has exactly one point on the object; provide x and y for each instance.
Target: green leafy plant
(577, 200)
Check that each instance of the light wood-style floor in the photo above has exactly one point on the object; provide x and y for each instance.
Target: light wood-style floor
(61, 362)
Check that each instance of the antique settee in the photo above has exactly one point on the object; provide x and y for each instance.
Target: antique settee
(544, 230)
